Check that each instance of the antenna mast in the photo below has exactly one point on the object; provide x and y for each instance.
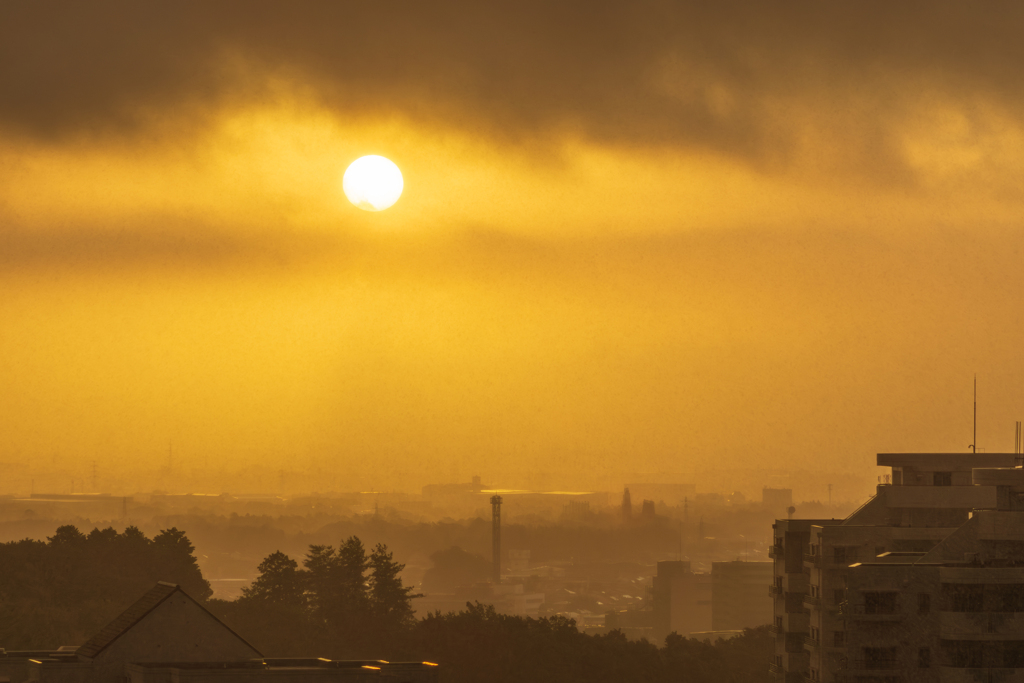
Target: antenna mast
(974, 444)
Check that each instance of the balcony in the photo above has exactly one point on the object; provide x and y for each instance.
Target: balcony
(812, 601)
(812, 642)
(863, 612)
(812, 559)
(776, 629)
(777, 552)
(872, 667)
(774, 590)
(948, 674)
(981, 625)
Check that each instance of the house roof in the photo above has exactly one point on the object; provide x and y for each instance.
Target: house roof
(153, 598)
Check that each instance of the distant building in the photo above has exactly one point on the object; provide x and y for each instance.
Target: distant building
(681, 601)
(738, 598)
(647, 511)
(518, 560)
(670, 494)
(513, 599)
(167, 637)
(627, 506)
(576, 511)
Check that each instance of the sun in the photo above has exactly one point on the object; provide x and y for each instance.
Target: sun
(373, 183)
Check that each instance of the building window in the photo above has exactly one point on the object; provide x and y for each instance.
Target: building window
(879, 658)
(1011, 597)
(844, 555)
(924, 658)
(924, 603)
(880, 603)
(1013, 654)
(964, 654)
(839, 639)
(942, 478)
(968, 597)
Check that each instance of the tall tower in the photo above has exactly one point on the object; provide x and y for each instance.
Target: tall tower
(627, 506)
(496, 536)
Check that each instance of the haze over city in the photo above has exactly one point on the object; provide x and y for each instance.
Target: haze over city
(462, 342)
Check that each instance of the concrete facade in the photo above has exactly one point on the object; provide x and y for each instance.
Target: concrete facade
(738, 600)
(920, 584)
(681, 600)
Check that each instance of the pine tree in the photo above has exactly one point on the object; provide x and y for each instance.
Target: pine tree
(319, 563)
(337, 583)
(279, 583)
(175, 554)
(390, 601)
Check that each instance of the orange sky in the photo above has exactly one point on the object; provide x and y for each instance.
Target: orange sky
(665, 240)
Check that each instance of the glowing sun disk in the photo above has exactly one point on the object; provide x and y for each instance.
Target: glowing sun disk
(373, 183)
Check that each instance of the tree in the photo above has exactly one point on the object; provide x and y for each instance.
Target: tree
(279, 582)
(390, 601)
(179, 565)
(66, 535)
(337, 583)
(68, 588)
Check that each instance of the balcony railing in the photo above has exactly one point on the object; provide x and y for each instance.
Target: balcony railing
(813, 559)
(776, 552)
(862, 665)
(812, 600)
(775, 628)
(774, 590)
(812, 642)
(871, 612)
(776, 670)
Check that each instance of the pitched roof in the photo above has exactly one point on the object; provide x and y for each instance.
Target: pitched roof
(134, 614)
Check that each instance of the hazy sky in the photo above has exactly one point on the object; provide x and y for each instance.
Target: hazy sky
(645, 236)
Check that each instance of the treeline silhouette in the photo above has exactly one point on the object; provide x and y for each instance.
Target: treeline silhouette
(63, 590)
(342, 603)
(345, 604)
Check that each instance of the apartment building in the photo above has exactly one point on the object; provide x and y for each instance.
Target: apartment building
(737, 595)
(926, 500)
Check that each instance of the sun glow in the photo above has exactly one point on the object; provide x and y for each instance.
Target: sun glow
(373, 183)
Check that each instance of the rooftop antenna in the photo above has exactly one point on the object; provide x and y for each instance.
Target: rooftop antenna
(974, 445)
(1018, 444)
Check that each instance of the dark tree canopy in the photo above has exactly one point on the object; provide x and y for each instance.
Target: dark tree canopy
(63, 590)
(344, 604)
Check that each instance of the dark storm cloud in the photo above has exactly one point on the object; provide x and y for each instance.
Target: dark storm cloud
(731, 76)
